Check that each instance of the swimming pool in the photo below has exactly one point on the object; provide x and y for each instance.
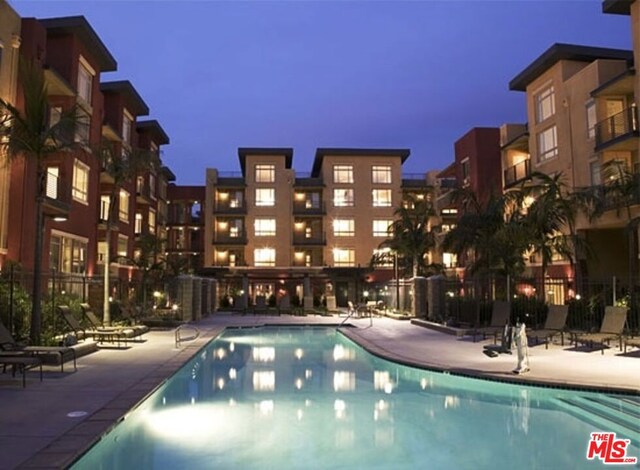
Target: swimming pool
(308, 397)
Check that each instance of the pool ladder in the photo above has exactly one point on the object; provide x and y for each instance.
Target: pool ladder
(195, 333)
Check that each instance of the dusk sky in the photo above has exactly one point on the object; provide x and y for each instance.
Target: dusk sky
(304, 74)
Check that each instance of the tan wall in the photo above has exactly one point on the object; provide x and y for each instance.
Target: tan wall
(363, 211)
(210, 203)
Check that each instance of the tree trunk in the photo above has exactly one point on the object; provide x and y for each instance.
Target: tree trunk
(36, 297)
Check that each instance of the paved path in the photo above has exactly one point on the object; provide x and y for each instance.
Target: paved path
(36, 431)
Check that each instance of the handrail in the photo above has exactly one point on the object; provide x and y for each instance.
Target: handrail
(179, 339)
(354, 311)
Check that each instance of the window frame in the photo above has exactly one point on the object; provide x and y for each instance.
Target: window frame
(342, 171)
(376, 201)
(351, 257)
(84, 66)
(265, 173)
(261, 201)
(124, 201)
(343, 227)
(544, 97)
(551, 152)
(346, 201)
(376, 232)
(80, 189)
(266, 261)
(264, 227)
(381, 174)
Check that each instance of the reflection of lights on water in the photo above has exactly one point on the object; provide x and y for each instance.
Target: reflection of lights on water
(220, 353)
(232, 374)
(193, 400)
(308, 374)
(339, 406)
(232, 347)
(232, 402)
(307, 403)
(340, 353)
(382, 381)
(220, 383)
(264, 380)
(189, 426)
(298, 353)
(298, 383)
(380, 410)
(266, 407)
(299, 414)
(388, 387)
(264, 353)
(164, 400)
(423, 383)
(451, 401)
(344, 381)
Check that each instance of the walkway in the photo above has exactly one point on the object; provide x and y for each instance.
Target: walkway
(36, 430)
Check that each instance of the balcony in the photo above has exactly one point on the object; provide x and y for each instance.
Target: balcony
(230, 179)
(516, 173)
(304, 208)
(304, 180)
(304, 239)
(56, 202)
(229, 206)
(307, 259)
(614, 133)
(227, 238)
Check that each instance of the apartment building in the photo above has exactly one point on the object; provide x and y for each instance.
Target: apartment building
(10, 40)
(185, 228)
(272, 231)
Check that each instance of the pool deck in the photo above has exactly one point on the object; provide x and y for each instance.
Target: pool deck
(36, 431)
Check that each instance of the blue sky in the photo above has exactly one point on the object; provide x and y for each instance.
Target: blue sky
(219, 75)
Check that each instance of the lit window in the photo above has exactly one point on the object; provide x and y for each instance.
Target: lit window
(123, 206)
(343, 228)
(444, 228)
(344, 257)
(545, 104)
(152, 185)
(381, 227)
(591, 119)
(80, 187)
(466, 171)
(138, 223)
(102, 251)
(83, 124)
(381, 197)
(105, 201)
(123, 243)
(152, 221)
(383, 257)
(51, 190)
(55, 113)
(265, 173)
(264, 256)
(381, 174)
(67, 255)
(265, 227)
(343, 198)
(547, 144)
(596, 175)
(265, 197)
(449, 211)
(127, 119)
(449, 260)
(343, 174)
(85, 80)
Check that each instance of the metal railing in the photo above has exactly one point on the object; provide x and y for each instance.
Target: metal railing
(179, 339)
(618, 125)
(517, 172)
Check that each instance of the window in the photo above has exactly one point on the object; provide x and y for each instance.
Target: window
(83, 124)
(51, 191)
(152, 221)
(80, 186)
(343, 198)
(138, 223)
(381, 174)
(545, 103)
(384, 258)
(343, 228)
(466, 171)
(449, 260)
(381, 227)
(265, 197)
(343, 174)
(85, 80)
(123, 246)
(444, 228)
(547, 144)
(344, 257)
(55, 113)
(381, 197)
(265, 227)
(102, 251)
(152, 185)
(123, 206)
(595, 172)
(265, 173)
(264, 256)
(104, 207)
(312, 201)
(449, 211)
(127, 120)
(591, 119)
(67, 255)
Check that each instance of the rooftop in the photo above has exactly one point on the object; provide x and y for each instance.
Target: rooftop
(355, 152)
(134, 102)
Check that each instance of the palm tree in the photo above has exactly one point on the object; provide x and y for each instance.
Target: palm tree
(122, 166)
(28, 134)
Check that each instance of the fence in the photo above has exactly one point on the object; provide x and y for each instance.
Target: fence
(469, 302)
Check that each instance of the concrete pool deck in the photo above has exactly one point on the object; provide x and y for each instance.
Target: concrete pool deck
(36, 430)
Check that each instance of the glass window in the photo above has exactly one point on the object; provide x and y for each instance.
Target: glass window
(55, 113)
(152, 221)
(343, 198)
(344, 257)
(466, 171)
(138, 223)
(123, 206)
(123, 246)
(85, 80)
(83, 124)
(51, 191)
(312, 201)
(127, 120)
(152, 185)
(265, 227)
(449, 260)
(67, 255)
(265, 197)
(381, 174)
(547, 144)
(545, 104)
(591, 119)
(80, 186)
(264, 256)
(343, 174)
(381, 197)
(343, 228)
(265, 173)
(104, 207)
(383, 257)
(381, 227)
(594, 170)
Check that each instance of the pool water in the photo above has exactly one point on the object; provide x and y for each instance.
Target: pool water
(307, 398)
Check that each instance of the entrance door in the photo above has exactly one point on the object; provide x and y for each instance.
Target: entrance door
(342, 294)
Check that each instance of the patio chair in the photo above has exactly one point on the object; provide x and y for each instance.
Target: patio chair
(612, 326)
(21, 364)
(10, 348)
(82, 333)
(500, 314)
(554, 325)
(128, 331)
(631, 342)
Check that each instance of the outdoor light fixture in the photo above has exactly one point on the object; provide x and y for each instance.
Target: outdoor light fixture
(60, 218)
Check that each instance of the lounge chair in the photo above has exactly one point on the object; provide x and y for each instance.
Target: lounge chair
(96, 325)
(81, 333)
(612, 326)
(631, 342)
(10, 348)
(21, 364)
(500, 314)
(554, 325)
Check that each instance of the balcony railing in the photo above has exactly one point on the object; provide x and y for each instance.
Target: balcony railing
(230, 207)
(517, 172)
(226, 238)
(57, 196)
(303, 208)
(305, 239)
(620, 125)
